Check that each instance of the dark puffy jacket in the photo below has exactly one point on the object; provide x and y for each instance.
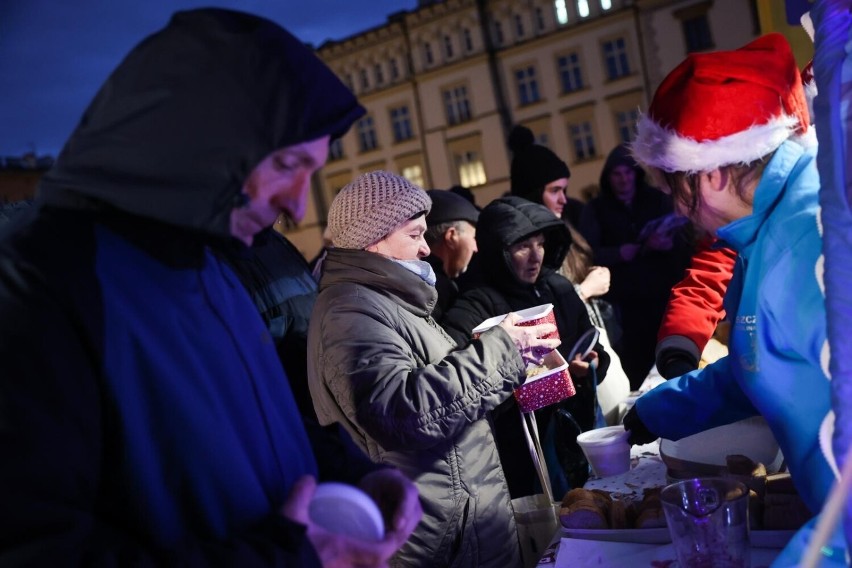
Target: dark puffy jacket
(381, 366)
(495, 290)
(146, 419)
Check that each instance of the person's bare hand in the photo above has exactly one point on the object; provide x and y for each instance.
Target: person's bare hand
(398, 500)
(529, 339)
(596, 282)
(335, 550)
(579, 367)
(629, 251)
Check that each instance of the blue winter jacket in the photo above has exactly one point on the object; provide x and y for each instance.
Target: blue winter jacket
(775, 301)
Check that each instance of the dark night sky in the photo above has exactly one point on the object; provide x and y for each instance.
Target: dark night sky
(54, 54)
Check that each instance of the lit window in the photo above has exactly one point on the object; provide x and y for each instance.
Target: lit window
(471, 169)
(414, 174)
(468, 40)
(367, 134)
(335, 149)
(606, 5)
(519, 26)
(527, 85)
(570, 73)
(615, 59)
(626, 124)
(561, 12)
(380, 75)
(583, 8)
(457, 105)
(427, 53)
(582, 140)
(448, 47)
(401, 124)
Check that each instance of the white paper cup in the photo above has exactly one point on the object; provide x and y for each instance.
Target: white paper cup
(607, 450)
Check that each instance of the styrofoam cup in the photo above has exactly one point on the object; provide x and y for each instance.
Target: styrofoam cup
(607, 450)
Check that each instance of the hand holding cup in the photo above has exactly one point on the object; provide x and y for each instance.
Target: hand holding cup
(533, 341)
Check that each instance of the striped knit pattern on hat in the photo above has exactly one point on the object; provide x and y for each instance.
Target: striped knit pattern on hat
(371, 207)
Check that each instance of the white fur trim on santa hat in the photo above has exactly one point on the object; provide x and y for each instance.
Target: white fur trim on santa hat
(664, 149)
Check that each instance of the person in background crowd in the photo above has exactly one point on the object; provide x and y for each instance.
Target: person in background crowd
(146, 417)
(538, 175)
(521, 246)
(408, 395)
(451, 236)
(727, 133)
(632, 231)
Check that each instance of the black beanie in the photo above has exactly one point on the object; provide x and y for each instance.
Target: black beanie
(533, 166)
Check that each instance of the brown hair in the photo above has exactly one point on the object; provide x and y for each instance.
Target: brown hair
(683, 186)
(578, 261)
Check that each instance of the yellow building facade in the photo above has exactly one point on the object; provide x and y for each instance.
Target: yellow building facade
(444, 83)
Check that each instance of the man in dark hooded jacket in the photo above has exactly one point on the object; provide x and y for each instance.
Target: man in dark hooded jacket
(497, 288)
(146, 419)
(644, 265)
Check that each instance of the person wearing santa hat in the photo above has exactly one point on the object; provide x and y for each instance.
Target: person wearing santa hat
(727, 134)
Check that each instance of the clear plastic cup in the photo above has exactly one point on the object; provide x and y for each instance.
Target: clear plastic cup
(607, 450)
(708, 522)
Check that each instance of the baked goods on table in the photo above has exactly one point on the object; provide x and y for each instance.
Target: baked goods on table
(774, 503)
(597, 509)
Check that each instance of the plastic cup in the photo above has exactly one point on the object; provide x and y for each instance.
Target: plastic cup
(708, 522)
(607, 450)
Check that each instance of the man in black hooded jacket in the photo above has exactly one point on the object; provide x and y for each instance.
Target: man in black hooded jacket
(146, 419)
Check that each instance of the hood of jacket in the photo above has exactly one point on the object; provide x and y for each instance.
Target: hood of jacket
(619, 156)
(511, 219)
(178, 126)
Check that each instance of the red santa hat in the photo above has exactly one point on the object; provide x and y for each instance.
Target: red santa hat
(725, 107)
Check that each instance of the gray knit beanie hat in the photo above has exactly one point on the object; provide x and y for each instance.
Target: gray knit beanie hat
(372, 206)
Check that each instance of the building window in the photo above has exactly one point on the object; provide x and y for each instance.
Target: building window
(367, 134)
(527, 85)
(561, 11)
(582, 140)
(696, 32)
(626, 121)
(468, 40)
(615, 59)
(365, 79)
(606, 5)
(471, 169)
(394, 69)
(448, 47)
(519, 26)
(583, 8)
(349, 82)
(498, 33)
(427, 53)
(414, 174)
(539, 19)
(457, 105)
(401, 124)
(380, 75)
(335, 149)
(570, 73)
